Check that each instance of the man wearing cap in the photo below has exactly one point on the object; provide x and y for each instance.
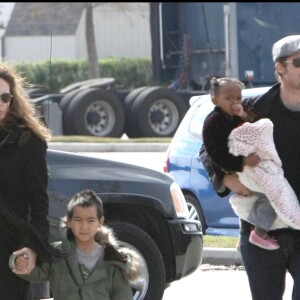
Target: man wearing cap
(266, 270)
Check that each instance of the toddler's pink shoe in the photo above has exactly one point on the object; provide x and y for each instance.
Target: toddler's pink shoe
(265, 242)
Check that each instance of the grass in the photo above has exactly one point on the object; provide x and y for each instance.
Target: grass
(219, 241)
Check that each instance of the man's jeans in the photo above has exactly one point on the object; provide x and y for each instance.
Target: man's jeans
(266, 269)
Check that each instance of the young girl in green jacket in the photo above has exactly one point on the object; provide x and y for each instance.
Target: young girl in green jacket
(94, 268)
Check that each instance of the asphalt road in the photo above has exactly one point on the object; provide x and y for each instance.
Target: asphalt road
(216, 284)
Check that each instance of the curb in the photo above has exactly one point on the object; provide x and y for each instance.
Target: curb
(221, 256)
(109, 147)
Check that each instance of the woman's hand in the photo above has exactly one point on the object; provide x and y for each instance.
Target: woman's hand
(232, 182)
(25, 260)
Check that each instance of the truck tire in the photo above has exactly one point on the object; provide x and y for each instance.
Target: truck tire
(96, 112)
(130, 129)
(195, 210)
(64, 105)
(157, 112)
(66, 99)
(153, 278)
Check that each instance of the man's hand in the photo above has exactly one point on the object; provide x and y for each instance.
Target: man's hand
(25, 261)
(232, 182)
(251, 160)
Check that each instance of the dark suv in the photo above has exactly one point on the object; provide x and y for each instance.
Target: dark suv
(146, 209)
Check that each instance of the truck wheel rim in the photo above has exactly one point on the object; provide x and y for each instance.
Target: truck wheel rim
(99, 118)
(163, 117)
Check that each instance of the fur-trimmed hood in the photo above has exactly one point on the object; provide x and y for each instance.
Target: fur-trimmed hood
(107, 237)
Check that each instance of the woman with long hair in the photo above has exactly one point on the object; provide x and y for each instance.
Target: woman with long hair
(24, 201)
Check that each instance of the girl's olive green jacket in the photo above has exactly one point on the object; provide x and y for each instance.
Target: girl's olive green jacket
(108, 281)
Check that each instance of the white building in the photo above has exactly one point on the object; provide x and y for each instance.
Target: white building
(37, 30)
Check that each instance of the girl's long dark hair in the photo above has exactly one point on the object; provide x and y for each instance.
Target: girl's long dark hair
(16, 233)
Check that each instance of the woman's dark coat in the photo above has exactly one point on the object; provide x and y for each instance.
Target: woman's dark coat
(23, 190)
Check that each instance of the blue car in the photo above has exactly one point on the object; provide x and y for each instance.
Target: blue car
(184, 166)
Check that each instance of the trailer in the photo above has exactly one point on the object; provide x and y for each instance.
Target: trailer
(191, 43)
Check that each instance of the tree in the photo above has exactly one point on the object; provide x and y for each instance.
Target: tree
(93, 68)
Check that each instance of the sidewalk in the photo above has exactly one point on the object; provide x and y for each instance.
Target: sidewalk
(213, 256)
(109, 147)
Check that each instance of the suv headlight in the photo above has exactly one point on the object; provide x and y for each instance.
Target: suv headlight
(179, 201)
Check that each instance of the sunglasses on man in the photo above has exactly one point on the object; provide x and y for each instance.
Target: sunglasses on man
(295, 61)
(5, 97)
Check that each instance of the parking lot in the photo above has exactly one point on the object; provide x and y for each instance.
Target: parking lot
(216, 283)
